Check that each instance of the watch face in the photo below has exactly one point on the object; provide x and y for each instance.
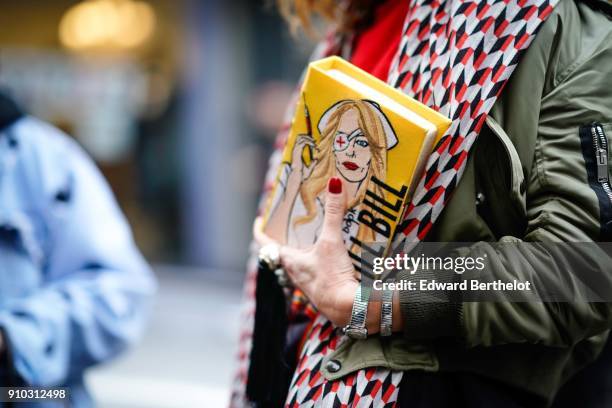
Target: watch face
(357, 333)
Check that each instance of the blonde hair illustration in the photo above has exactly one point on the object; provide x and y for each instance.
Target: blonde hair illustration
(375, 128)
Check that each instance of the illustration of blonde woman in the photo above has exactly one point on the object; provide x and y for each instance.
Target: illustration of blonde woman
(355, 138)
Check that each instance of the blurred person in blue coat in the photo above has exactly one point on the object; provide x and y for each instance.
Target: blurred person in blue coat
(74, 289)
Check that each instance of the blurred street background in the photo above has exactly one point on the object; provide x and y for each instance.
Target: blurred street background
(177, 101)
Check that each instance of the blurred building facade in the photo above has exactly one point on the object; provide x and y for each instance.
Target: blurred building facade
(178, 102)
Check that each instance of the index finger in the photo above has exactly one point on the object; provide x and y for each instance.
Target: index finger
(259, 235)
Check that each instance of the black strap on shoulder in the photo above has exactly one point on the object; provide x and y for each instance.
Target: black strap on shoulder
(601, 5)
(9, 111)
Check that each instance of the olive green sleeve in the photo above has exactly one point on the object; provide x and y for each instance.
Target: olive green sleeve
(561, 207)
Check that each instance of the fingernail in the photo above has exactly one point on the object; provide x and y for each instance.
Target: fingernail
(335, 185)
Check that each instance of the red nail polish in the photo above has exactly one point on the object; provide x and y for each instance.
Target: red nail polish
(335, 185)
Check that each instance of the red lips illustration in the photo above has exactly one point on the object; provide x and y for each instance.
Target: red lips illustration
(350, 165)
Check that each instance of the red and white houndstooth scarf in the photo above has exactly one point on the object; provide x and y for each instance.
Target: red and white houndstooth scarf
(455, 56)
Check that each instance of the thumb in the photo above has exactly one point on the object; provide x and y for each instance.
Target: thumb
(335, 207)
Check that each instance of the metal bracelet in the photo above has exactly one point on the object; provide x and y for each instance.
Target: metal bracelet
(356, 329)
(386, 313)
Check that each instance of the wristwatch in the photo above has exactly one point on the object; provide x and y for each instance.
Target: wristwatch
(356, 329)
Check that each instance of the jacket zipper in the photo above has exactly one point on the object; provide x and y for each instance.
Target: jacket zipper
(600, 144)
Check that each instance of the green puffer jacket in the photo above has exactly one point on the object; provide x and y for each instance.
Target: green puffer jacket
(527, 179)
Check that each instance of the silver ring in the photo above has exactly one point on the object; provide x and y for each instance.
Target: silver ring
(281, 277)
(269, 256)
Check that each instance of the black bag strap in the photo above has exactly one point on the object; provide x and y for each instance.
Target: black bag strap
(9, 111)
(603, 6)
(270, 370)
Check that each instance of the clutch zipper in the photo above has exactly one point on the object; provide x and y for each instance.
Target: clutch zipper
(600, 144)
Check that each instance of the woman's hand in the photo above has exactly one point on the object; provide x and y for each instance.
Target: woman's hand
(299, 169)
(324, 272)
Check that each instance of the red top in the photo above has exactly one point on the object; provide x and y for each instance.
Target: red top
(375, 47)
